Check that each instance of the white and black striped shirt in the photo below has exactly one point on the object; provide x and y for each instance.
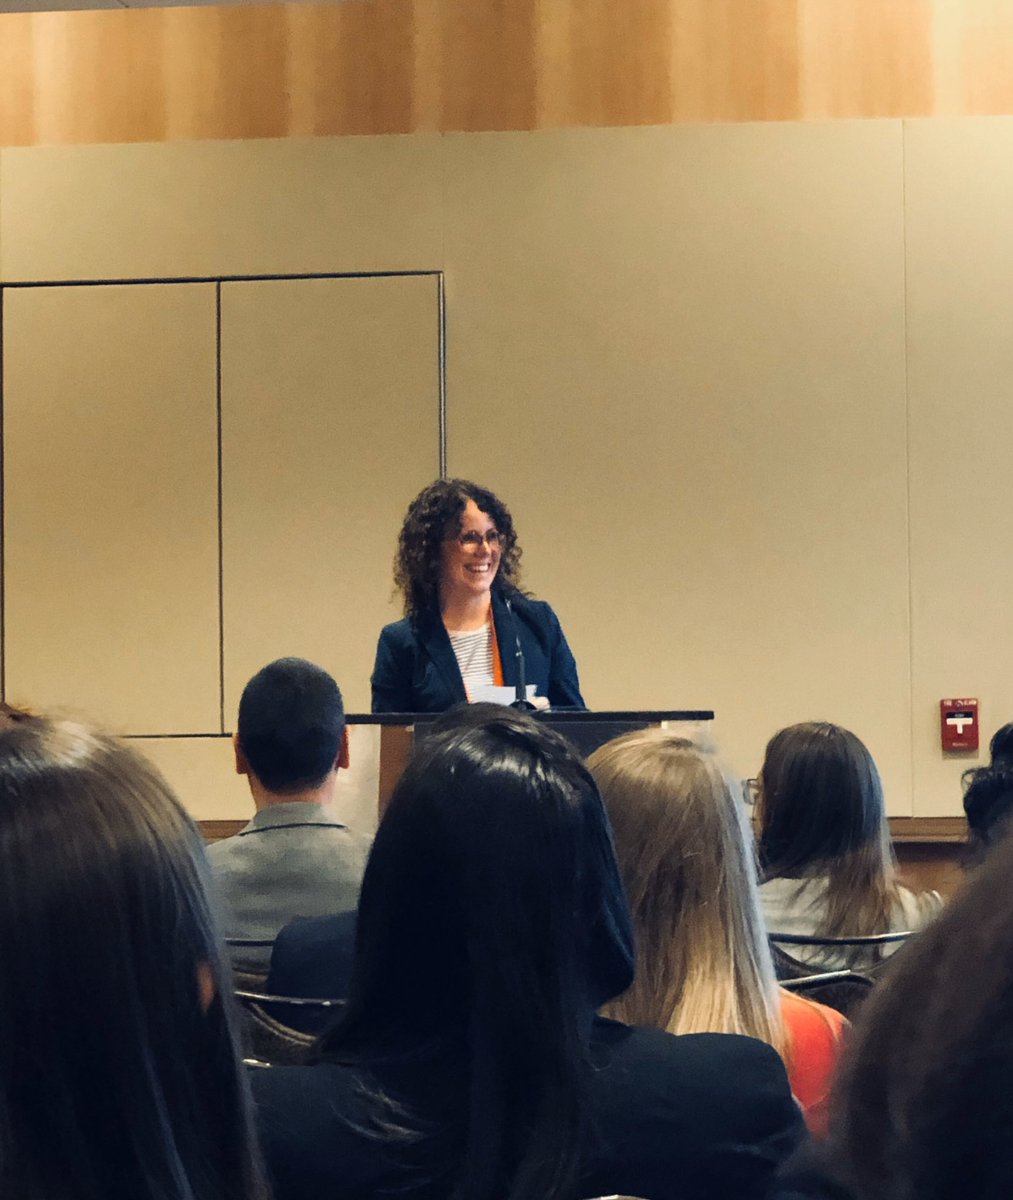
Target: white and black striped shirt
(473, 652)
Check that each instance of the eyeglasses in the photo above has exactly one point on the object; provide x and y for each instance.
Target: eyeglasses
(471, 539)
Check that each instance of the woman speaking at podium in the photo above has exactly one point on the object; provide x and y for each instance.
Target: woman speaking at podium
(467, 624)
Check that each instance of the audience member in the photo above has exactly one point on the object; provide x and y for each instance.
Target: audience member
(294, 859)
(923, 1110)
(825, 848)
(312, 958)
(119, 1075)
(988, 800)
(703, 962)
(469, 1063)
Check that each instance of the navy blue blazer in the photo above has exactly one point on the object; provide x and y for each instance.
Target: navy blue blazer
(703, 1116)
(416, 671)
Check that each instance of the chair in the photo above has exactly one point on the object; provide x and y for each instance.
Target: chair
(843, 990)
(252, 981)
(787, 966)
(265, 1035)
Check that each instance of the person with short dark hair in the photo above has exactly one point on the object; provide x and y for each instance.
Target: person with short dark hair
(119, 1069)
(469, 1062)
(988, 798)
(294, 859)
(825, 851)
(458, 570)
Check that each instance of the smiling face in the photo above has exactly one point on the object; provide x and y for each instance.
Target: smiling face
(470, 557)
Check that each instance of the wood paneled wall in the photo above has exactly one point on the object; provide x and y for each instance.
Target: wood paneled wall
(399, 66)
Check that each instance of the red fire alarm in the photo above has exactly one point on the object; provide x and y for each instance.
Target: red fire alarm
(958, 724)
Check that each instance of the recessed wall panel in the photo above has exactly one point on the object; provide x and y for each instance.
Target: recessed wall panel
(678, 354)
(110, 504)
(330, 392)
(190, 209)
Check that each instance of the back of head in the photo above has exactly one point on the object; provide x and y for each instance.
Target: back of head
(1000, 748)
(491, 924)
(703, 962)
(820, 799)
(118, 1074)
(924, 1108)
(291, 721)
(988, 797)
(821, 816)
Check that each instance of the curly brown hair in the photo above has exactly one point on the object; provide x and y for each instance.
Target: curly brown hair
(432, 517)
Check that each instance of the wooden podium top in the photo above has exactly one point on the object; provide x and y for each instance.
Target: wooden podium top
(646, 716)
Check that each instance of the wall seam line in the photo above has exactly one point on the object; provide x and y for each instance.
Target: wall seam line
(221, 570)
(907, 472)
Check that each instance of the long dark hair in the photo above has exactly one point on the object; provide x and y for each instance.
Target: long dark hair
(924, 1110)
(492, 924)
(821, 813)
(434, 515)
(119, 1072)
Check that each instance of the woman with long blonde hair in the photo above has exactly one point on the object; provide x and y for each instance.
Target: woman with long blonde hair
(825, 849)
(702, 959)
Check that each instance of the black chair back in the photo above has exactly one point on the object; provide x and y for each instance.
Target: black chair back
(242, 972)
(844, 991)
(267, 1034)
(789, 966)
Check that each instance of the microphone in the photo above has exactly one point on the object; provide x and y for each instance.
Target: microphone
(520, 699)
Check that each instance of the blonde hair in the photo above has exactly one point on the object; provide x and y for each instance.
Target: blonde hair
(702, 959)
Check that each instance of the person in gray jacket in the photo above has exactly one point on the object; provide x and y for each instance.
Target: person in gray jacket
(294, 859)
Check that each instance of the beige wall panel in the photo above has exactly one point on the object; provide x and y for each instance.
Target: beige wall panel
(679, 354)
(329, 427)
(196, 209)
(959, 196)
(202, 772)
(111, 518)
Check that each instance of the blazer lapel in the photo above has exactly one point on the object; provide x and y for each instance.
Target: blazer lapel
(433, 636)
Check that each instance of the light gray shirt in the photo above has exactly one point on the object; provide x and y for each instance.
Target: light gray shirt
(798, 906)
(291, 860)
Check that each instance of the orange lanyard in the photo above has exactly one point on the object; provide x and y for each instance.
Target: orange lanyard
(497, 666)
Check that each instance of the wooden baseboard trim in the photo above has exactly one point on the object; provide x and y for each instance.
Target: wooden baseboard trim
(214, 831)
(902, 829)
(928, 829)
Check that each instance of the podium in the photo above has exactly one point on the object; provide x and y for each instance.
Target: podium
(585, 730)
